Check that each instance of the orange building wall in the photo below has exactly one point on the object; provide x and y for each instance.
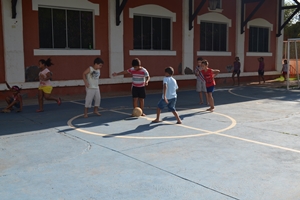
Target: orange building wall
(251, 63)
(66, 67)
(155, 64)
(2, 67)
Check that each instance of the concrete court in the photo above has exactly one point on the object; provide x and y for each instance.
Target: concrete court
(247, 149)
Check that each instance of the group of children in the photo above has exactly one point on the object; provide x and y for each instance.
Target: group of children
(44, 90)
(140, 79)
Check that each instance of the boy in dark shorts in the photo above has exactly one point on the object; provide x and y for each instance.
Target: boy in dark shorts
(140, 79)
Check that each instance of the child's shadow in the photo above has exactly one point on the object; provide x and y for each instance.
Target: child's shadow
(138, 129)
(185, 116)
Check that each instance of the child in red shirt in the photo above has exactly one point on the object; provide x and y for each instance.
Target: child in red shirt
(209, 75)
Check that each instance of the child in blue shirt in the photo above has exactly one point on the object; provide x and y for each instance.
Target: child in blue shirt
(169, 96)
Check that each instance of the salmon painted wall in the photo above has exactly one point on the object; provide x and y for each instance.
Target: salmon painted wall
(155, 64)
(251, 63)
(229, 10)
(2, 67)
(66, 67)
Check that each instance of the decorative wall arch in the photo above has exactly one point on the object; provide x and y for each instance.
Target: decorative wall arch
(260, 22)
(151, 9)
(78, 4)
(214, 17)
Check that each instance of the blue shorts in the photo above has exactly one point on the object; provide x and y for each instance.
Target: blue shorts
(210, 89)
(171, 105)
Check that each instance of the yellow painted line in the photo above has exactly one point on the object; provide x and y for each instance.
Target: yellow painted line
(230, 91)
(206, 132)
(259, 143)
(218, 132)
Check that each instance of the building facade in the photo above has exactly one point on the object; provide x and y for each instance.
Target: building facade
(160, 33)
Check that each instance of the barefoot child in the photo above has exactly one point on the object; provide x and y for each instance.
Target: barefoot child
(140, 79)
(91, 81)
(200, 87)
(209, 76)
(15, 100)
(169, 96)
(45, 87)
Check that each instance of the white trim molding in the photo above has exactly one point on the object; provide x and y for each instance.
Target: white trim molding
(213, 17)
(259, 54)
(78, 4)
(153, 10)
(260, 23)
(214, 53)
(151, 53)
(63, 52)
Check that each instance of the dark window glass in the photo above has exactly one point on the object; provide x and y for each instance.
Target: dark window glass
(218, 3)
(213, 37)
(258, 39)
(73, 24)
(60, 28)
(146, 32)
(137, 32)
(45, 28)
(87, 29)
(151, 33)
(166, 34)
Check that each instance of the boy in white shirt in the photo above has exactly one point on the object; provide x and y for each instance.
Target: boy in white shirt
(169, 96)
(91, 81)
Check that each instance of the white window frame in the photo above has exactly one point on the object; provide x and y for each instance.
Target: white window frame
(215, 18)
(260, 22)
(67, 4)
(152, 10)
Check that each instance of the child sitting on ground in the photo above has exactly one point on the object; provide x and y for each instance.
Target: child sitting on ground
(15, 100)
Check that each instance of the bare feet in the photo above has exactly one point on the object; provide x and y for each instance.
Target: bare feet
(210, 109)
(179, 122)
(85, 116)
(39, 110)
(97, 113)
(201, 102)
(156, 121)
(143, 114)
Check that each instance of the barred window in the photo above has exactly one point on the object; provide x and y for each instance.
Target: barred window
(258, 39)
(213, 36)
(65, 29)
(151, 33)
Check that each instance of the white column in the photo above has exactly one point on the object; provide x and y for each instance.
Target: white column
(240, 38)
(187, 39)
(279, 43)
(13, 43)
(116, 41)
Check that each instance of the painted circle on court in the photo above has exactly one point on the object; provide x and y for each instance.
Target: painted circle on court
(203, 132)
